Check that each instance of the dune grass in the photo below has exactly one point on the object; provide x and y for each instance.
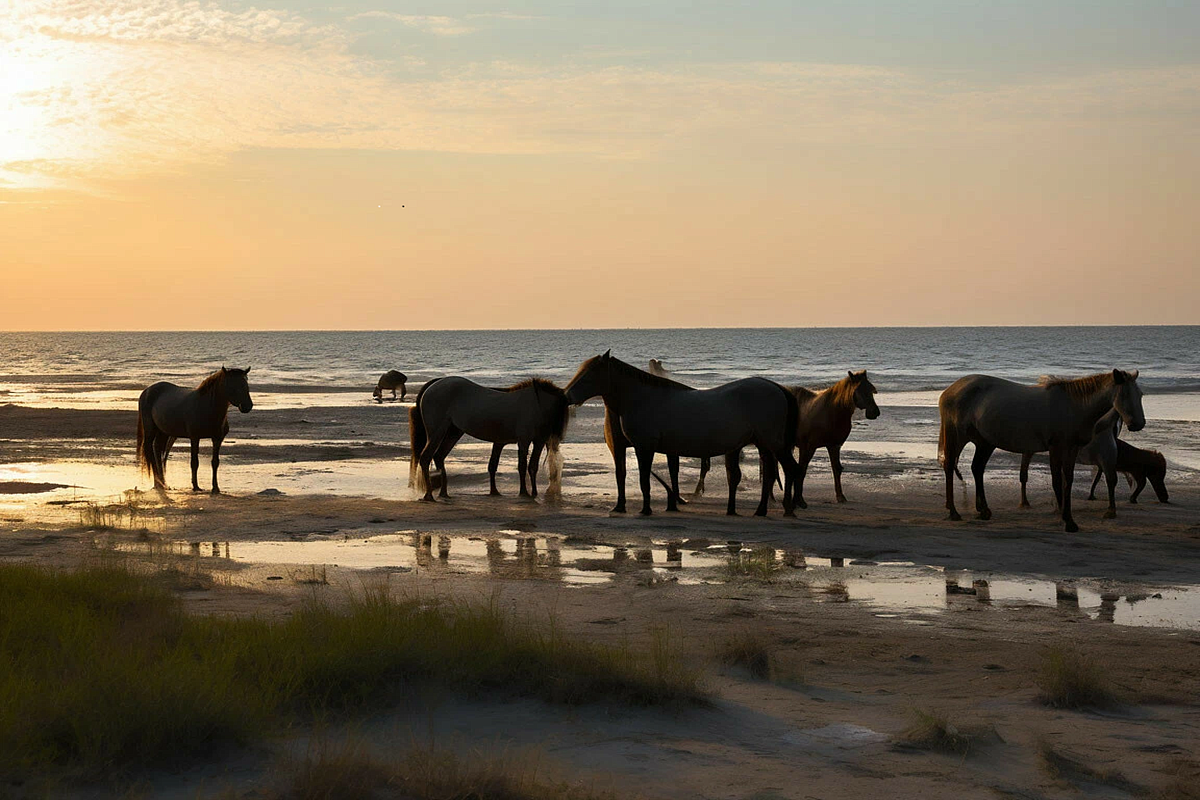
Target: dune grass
(1071, 679)
(759, 564)
(101, 670)
(932, 729)
(350, 772)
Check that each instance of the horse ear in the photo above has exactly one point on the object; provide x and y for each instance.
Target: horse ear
(608, 353)
(247, 370)
(1135, 374)
(850, 372)
(223, 368)
(1118, 377)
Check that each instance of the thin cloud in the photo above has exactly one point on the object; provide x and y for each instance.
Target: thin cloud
(437, 25)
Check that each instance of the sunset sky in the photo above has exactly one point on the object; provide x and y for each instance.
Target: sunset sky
(469, 164)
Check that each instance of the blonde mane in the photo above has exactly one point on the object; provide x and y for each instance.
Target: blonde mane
(1078, 387)
(212, 383)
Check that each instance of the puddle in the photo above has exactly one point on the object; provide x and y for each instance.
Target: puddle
(900, 590)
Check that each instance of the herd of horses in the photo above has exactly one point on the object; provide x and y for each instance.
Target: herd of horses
(650, 412)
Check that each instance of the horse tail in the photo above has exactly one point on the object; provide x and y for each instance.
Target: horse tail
(148, 461)
(418, 436)
(941, 451)
(554, 468)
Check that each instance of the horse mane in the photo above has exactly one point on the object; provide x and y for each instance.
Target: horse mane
(1078, 387)
(212, 383)
(640, 375)
(541, 384)
(842, 392)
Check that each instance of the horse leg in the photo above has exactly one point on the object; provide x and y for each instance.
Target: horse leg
(195, 464)
(535, 455)
(432, 449)
(705, 465)
(791, 472)
(523, 465)
(619, 457)
(1110, 477)
(1066, 464)
(806, 454)
(1141, 484)
(162, 448)
(835, 463)
(1025, 459)
(673, 472)
(733, 474)
(493, 465)
(768, 472)
(978, 464)
(1095, 482)
(216, 462)
(1056, 478)
(951, 450)
(645, 459)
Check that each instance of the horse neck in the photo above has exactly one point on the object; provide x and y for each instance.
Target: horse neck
(836, 406)
(1097, 404)
(623, 386)
(217, 399)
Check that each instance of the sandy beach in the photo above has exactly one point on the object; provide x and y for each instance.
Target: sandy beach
(873, 611)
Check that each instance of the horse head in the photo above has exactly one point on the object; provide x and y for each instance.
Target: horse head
(1128, 399)
(592, 379)
(864, 393)
(237, 388)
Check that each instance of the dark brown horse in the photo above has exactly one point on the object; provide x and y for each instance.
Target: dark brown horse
(167, 412)
(391, 380)
(660, 415)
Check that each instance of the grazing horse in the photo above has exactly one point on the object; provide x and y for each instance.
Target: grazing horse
(391, 380)
(660, 415)
(533, 412)
(825, 422)
(1058, 415)
(1110, 455)
(167, 412)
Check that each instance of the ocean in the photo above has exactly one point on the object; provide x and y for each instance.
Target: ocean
(909, 366)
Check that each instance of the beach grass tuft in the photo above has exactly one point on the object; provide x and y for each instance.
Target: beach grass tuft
(102, 670)
(931, 729)
(1071, 679)
(760, 564)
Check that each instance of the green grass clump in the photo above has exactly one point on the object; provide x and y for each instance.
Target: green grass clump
(1070, 679)
(100, 669)
(759, 564)
(349, 773)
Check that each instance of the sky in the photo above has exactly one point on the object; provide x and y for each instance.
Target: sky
(286, 164)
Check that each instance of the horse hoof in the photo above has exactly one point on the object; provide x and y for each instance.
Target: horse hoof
(1024, 505)
(1071, 527)
(955, 517)
(617, 510)
(760, 512)
(215, 492)
(731, 514)
(1110, 514)
(841, 498)
(645, 512)
(985, 514)
(494, 493)
(791, 514)
(801, 504)
(428, 499)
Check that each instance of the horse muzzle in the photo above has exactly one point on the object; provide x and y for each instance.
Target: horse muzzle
(245, 408)
(872, 413)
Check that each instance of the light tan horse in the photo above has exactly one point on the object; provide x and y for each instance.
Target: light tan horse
(1058, 415)
(825, 421)
(658, 415)
(167, 412)
(530, 413)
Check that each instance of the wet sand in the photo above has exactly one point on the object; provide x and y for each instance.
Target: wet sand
(851, 668)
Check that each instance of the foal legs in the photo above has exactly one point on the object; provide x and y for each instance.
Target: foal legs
(673, 471)
(195, 464)
(1110, 477)
(978, 464)
(493, 465)
(1025, 459)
